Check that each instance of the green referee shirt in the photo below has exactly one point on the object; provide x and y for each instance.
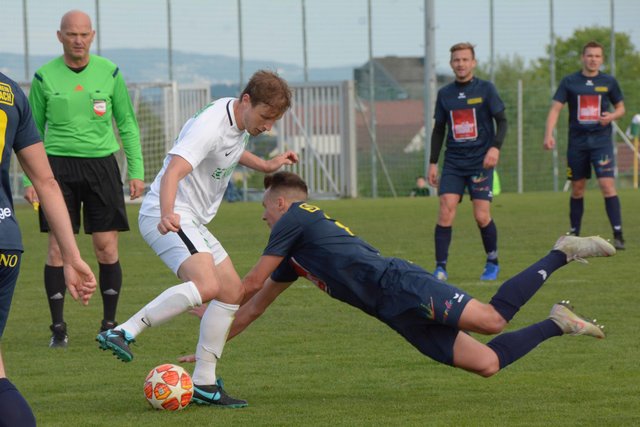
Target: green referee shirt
(74, 112)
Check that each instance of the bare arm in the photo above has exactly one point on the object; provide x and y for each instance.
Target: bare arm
(257, 305)
(254, 162)
(78, 276)
(177, 169)
(552, 120)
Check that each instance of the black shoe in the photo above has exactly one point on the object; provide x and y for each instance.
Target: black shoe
(215, 395)
(118, 342)
(107, 324)
(59, 337)
(618, 243)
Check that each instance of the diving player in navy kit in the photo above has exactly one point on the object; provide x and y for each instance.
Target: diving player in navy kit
(589, 93)
(468, 107)
(428, 313)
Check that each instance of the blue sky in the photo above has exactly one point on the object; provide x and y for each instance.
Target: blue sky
(336, 29)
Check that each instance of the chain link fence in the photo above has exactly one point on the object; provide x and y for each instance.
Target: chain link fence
(218, 45)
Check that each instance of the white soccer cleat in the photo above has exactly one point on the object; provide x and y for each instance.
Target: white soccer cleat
(579, 248)
(563, 315)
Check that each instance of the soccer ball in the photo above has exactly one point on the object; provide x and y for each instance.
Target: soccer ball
(168, 387)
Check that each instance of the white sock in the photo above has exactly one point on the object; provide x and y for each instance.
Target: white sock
(214, 328)
(175, 300)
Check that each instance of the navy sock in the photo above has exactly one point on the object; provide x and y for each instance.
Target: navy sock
(443, 240)
(612, 205)
(110, 285)
(519, 289)
(576, 209)
(55, 287)
(489, 234)
(14, 409)
(511, 346)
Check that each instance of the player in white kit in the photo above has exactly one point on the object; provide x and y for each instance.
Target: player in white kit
(183, 198)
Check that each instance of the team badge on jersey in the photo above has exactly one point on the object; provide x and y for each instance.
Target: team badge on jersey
(464, 125)
(99, 107)
(588, 108)
(6, 94)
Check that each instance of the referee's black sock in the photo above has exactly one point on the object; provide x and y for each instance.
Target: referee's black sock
(55, 288)
(110, 285)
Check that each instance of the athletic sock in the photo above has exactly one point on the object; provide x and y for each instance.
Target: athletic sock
(516, 291)
(55, 288)
(612, 205)
(175, 300)
(110, 285)
(576, 209)
(214, 328)
(489, 234)
(442, 237)
(511, 346)
(14, 409)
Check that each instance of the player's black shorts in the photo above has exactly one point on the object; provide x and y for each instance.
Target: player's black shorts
(424, 310)
(579, 162)
(9, 269)
(92, 185)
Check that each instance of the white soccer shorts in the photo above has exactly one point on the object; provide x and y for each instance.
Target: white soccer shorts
(175, 248)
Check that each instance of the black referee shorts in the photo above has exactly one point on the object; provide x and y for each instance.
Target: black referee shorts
(92, 185)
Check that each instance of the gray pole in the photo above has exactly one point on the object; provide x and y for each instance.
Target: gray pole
(552, 82)
(429, 77)
(241, 61)
(612, 54)
(97, 29)
(169, 42)
(304, 42)
(492, 65)
(25, 31)
(372, 109)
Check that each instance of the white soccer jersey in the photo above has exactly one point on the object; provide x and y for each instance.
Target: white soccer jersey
(212, 143)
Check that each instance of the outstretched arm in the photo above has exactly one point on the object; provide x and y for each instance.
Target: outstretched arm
(254, 162)
(257, 305)
(78, 276)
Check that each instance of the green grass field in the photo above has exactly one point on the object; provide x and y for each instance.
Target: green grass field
(311, 360)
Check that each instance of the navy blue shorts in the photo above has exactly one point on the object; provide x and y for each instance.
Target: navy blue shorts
(579, 162)
(9, 269)
(94, 186)
(479, 184)
(424, 310)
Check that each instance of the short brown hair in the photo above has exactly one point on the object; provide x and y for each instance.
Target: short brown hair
(464, 46)
(285, 181)
(268, 88)
(591, 44)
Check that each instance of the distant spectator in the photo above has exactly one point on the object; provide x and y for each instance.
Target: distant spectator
(421, 189)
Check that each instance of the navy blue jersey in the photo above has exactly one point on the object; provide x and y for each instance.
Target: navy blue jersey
(468, 109)
(17, 131)
(588, 98)
(328, 254)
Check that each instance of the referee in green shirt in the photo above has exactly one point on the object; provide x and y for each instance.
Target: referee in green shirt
(74, 99)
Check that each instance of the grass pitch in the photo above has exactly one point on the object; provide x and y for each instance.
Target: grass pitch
(311, 360)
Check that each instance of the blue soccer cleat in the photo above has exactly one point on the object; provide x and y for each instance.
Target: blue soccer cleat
(441, 274)
(490, 272)
(215, 395)
(118, 342)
